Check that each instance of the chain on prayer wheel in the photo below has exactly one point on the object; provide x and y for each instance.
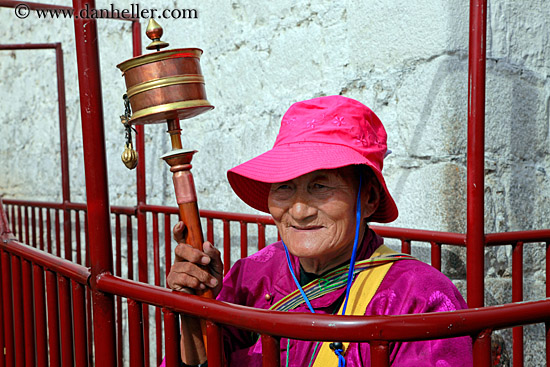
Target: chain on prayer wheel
(167, 86)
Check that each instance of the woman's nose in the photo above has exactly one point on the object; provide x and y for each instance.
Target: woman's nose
(301, 207)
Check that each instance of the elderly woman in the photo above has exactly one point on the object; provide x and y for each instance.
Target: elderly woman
(322, 183)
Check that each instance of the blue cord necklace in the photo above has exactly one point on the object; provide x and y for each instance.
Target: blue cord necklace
(337, 347)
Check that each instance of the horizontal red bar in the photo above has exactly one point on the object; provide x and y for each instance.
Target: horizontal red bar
(35, 6)
(56, 264)
(307, 326)
(29, 46)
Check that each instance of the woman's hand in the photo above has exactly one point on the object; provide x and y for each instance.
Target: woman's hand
(194, 270)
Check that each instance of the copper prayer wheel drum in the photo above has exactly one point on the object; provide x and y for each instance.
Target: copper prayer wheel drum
(165, 85)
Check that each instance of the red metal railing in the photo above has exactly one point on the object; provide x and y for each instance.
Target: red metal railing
(124, 219)
(379, 330)
(64, 315)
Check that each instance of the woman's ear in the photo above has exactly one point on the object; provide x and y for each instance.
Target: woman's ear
(370, 197)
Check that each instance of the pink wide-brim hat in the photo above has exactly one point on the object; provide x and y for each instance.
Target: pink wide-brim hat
(320, 133)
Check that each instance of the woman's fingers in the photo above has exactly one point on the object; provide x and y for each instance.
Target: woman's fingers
(185, 275)
(194, 269)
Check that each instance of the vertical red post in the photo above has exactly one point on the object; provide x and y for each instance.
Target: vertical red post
(547, 324)
(214, 346)
(18, 322)
(53, 319)
(141, 199)
(79, 320)
(379, 354)
(517, 296)
(66, 321)
(167, 244)
(226, 246)
(40, 317)
(244, 240)
(156, 262)
(475, 237)
(28, 303)
(475, 225)
(406, 247)
(2, 342)
(271, 353)
(261, 236)
(97, 190)
(436, 255)
(64, 149)
(8, 310)
(210, 230)
(135, 321)
(172, 339)
(57, 234)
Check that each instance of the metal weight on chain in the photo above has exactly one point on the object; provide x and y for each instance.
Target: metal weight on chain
(129, 155)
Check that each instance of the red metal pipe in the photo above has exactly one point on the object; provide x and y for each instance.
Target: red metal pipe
(210, 230)
(547, 324)
(167, 244)
(57, 235)
(54, 263)
(156, 273)
(66, 321)
(406, 247)
(481, 346)
(517, 296)
(28, 313)
(78, 236)
(27, 236)
(18, 323)
(8, 310)
(53, 319)
(172, 339)
(31, 5)
(13, 219)
(226, 247)
(48, 231)
(475, 237)
(19, 231)
(97, 189)
(214, 346)
(327, 327)
(261, 236)
(436, 255)
(40, 316)
(475, 231)
(379, 354)
(244, 240)
(33, 227)
(118, 300)
(135, 328)
(129, 247)
(41, 229)
(79, 322)
(271, 354)
(2, 342)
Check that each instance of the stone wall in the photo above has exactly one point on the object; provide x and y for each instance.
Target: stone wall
(407, 60)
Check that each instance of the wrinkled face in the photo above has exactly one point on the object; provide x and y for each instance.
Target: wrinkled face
(315, 215)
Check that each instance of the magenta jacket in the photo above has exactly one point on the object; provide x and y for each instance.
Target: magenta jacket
(410, 286)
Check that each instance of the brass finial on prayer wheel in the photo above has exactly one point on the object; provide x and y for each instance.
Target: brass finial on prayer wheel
(154, 32)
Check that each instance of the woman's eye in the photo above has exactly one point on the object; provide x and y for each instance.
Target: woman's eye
(282, 187)
(318, 186)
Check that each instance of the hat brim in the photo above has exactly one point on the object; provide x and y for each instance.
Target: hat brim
(252, 180)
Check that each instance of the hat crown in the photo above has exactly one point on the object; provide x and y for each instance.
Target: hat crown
(335, 120)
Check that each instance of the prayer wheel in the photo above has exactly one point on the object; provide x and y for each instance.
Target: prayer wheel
(166, 86)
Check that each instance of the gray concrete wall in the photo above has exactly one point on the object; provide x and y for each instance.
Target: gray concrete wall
(407, 60)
